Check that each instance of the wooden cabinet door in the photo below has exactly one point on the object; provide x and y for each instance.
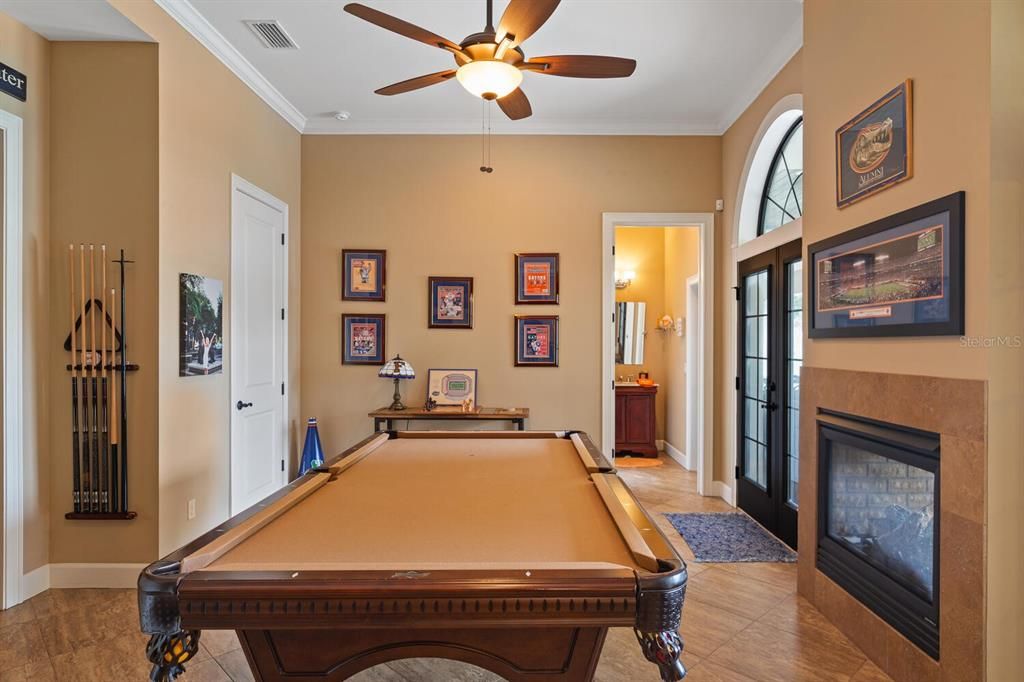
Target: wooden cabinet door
(620, 418)
(638, 411)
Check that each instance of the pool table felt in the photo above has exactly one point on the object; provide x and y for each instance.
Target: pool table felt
(416, 503)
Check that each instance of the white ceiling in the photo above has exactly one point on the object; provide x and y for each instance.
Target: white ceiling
(699, 63)
(73, 20)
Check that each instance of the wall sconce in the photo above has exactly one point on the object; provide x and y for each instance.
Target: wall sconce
(667, 324)
(624, 279)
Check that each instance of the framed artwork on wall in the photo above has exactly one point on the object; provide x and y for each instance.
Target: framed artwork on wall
(451, 303)
(874, 149)
(362, 339)
(536, 340)
(536, 278)
(899, 276)
(452, 387)
(363, 275)
(202, 325)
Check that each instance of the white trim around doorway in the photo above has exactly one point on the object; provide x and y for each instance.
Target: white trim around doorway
(705, 222)
(13, 359)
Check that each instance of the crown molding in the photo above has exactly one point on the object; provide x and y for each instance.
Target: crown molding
(534, 127)
(183, 12)
(764, 73)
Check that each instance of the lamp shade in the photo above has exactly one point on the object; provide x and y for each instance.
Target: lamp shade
(490, 79)
(397, 368)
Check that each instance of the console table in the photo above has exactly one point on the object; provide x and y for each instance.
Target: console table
(386, 418)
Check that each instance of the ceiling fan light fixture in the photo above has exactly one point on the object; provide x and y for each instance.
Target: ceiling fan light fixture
(489, 79)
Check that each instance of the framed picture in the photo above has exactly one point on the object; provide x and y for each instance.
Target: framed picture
(451, 387)
(874, 149)
(898, 276)
(362, 339)
(536, 278)
(363, 275)
(202, 325)
(451, 303)
(536, 341)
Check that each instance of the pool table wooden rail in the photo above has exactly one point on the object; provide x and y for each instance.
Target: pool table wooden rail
(557, 607)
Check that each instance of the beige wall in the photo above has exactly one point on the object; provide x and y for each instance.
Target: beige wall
(211, 125)
(736, 144)
(1005, 603)
(30, 53)
(423, 199)
(642, 249)
(682, 260)
(104, 165)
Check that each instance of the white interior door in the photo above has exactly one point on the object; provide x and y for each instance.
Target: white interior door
(693, 332)
(257, 344)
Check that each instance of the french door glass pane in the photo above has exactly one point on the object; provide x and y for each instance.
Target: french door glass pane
(794, 361)
(755, 370)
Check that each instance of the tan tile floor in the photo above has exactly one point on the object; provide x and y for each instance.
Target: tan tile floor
(741, 622)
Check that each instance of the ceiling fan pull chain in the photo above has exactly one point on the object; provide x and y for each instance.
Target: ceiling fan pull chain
(485, 139)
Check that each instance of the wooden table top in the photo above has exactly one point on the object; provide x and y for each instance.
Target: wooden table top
(452, 413)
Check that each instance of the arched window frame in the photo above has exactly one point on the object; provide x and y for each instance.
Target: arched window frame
(776, 159)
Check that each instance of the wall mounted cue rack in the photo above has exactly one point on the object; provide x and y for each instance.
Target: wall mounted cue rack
(99, 414)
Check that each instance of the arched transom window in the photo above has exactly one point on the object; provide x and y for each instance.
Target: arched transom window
(783, 196)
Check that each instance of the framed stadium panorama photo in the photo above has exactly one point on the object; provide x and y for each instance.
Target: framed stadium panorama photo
(899, 276)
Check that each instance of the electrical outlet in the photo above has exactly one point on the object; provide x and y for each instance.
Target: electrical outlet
(719, 204)
(191, 509)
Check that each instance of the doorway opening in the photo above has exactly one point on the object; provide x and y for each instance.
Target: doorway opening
(258, 344)
(644, 313)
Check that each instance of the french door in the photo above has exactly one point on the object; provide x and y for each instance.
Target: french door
(770, 294)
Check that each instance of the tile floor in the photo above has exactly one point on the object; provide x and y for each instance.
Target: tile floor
(741, 622)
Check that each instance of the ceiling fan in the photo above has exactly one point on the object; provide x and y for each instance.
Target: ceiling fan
(491, 63)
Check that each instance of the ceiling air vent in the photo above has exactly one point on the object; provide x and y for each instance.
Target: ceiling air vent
(271, 34)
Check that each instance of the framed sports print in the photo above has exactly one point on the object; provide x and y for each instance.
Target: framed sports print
(452, 387)
(536, 278)
(899, 276)
(363, 275)
(451, 303)
(362, 338)
(874, 149)
(536, 341)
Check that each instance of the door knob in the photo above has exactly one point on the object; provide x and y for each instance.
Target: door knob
(241, 406)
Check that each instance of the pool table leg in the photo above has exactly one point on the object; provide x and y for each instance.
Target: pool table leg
(169, 653)
(663, 649)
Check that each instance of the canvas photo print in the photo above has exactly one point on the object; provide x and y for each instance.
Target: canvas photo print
(202, 325)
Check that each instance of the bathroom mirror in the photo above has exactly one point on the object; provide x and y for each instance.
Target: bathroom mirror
(629, 332)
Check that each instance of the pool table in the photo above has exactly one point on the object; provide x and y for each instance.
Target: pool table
(511, 550)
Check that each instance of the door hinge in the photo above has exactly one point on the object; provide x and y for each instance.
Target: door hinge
(613, 249)
(282, 313)
(282, 465)
(737, 291)
(282, 239)
(282, 388)
(737, 472)
(737, 383)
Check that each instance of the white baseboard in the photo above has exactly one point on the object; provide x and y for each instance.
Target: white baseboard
(79, 575)
(678, 455)
(720, 489)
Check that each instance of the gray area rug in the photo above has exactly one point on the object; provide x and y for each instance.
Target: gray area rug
(729, 537)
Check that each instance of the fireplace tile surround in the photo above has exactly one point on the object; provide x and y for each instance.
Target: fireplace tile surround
(956, 410)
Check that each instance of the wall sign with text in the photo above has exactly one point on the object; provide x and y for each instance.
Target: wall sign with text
(13, 82)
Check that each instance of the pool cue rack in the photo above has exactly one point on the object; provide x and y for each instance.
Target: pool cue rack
(99, 387)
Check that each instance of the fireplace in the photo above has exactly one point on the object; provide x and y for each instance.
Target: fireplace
(878, 526)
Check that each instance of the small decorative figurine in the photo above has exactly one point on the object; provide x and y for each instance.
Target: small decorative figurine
(430, 404)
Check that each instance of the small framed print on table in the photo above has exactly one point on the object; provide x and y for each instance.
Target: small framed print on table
(899, 276)
(874, 149)
(451, 303)
(362, 338)
(363, 275)
(536, 278)
(536, 341)
(452, 387)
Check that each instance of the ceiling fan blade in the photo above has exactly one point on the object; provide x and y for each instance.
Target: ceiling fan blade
(416, 83)
(401, 27)
(582, 66)
(522, 18)
(515, 105)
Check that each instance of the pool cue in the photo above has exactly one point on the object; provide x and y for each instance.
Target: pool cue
(76, 495)
(113, 407)
(102, 425)
(86, 443)
(94, 425)
(124, 395)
